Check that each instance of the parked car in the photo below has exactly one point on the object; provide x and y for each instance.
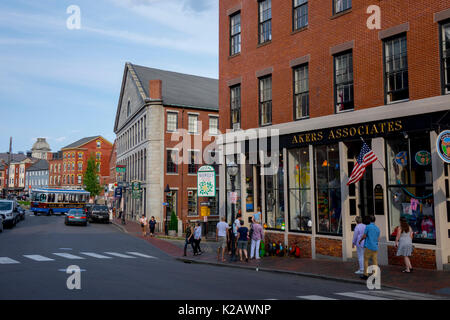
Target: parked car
(76, 216)
(9, 212)
(21, 212)
(1, 223)
(99, 213)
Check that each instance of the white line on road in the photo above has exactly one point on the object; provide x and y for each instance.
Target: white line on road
(37, 257)
(68, 256)
(120, 255)
(95, 255)
(360, 296)
(395, 295)
(142, 255)
(313, 297)
(6, 260)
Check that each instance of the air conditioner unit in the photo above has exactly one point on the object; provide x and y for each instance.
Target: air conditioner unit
(190, 193)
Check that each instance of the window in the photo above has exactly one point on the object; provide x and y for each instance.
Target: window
(301, 92)
(300, 14)
(99, 144)
(98, 166)
(274, 192)
(445, 46)
(265, 21)
(64, 167)
(128, 109)
(98, 156)
(172, 121)
(79, 179)
(80, 155)
(213, 125)
(341, 5)
(80, 166)
(172, 158)
(328, 189)
(343, 82)
(193, 162)
(299, 190)
(265, 101)
(410, 185)
(192, 203)
(235, 104)
(73, 165)
(396, 69)
(235, 34)
(192, 123)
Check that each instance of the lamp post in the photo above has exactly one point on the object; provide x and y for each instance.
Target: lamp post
(232, 169)
(166, 191)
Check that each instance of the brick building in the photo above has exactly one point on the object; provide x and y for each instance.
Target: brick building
(157, 111)
(317, 74)
(55, 169)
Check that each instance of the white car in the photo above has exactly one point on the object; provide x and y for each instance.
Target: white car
(9, 213)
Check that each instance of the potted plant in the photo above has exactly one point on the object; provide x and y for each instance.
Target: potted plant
(173, 224)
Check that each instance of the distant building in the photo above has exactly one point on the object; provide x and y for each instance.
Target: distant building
(55, 169)
(37, 175)
(41, 149)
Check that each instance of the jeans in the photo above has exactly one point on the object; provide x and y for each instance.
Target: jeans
(360, 251)
(369, 255)
(187, 243)
(255, 247)
(197, 246)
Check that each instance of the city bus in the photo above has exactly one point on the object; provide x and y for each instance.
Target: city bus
(57, 201)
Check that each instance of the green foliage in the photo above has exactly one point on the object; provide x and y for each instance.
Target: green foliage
(173, 222)
(90, 177)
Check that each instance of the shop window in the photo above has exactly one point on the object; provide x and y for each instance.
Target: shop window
(445, 63)
(301, 92)
(300, 14)
(328, 190)
(214, 204)
(235, 102)
(235, 34)
(249, 181)
(265, 101)
(299, 190)
(396, 69)
(343, 81)
(265, 20)
(410, 185)
(274, 192)
(341, 5)
(192, 203)
(237, 188)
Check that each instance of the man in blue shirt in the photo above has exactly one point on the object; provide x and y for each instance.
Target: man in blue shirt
(370, 238)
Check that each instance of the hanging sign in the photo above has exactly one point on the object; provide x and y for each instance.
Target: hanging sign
(402, 158)
(206, 181)
(443, 146)
(423, 158)
(233, 197)
(379, 199)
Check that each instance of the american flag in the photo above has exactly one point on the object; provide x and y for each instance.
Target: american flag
(366, 157)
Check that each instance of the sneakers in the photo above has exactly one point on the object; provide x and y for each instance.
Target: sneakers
(359, 272)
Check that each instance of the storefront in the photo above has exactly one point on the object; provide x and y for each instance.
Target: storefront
(307, 201)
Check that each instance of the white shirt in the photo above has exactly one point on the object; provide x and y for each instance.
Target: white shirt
(222, 229)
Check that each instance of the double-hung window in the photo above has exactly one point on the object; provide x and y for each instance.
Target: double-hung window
(265, 101)
(300, 14)
(301, 92)
(445, 45)
(265, 20)
(213, 125)
(193, 123)
(171, 161)
(235, 105)
(343, 81)
(172, 121)
(341, 5)
(396, 69)
(193, 162)
(235, 34)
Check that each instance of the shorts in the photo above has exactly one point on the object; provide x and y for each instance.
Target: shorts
(242, 244)
(222, 243)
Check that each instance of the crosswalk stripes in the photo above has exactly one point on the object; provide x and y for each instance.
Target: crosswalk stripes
(360, 296)
(120, 255)
(37, 257)
(95, 255)
(141, 255)
(6, 260)
(314, 297)
(68, 256)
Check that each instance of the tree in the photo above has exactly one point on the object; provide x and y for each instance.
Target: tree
(173, 222)
(90, 177)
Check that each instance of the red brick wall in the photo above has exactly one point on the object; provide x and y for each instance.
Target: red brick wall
(323, 32)
(303, 242)
(270, 237)
(421, 258)
(329, 247)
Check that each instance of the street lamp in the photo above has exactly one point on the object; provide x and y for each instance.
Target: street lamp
(232, 169)
(166, 191)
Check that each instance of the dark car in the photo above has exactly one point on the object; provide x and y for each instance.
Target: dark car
(21, 212)
(76, 216)
(99, 213)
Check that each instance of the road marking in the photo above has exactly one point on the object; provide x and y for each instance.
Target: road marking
(71, 270)
(37, 257)
(95, 255)
(421, 296)
(142, 255)
(6, 260)
(360, 296)
(68, 256)
(120, 255)
(313, 297)
(65, 248)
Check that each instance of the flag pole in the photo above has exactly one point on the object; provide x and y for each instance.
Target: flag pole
(377, 157)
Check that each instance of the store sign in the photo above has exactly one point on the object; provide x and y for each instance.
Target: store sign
(443, 146)
(136, 189)
(233, 197)
(423, 158)
(206, 181)
(121, 169)
(379, 199)
(118, 192)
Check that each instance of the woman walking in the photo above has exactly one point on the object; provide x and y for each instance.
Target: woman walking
(189, 239)
(404, 243)
(143, 222)
(152, 224)
(197, 239)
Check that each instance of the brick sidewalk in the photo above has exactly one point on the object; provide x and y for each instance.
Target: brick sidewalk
(421, 280)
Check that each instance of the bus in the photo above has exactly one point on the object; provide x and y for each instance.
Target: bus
(57, 201)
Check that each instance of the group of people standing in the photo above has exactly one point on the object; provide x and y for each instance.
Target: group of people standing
(366, 237)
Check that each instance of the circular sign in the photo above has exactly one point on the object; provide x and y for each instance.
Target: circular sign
(443, 145)
(423, 158)
(402, 158)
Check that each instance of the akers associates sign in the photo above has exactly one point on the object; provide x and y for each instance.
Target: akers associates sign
(443, 145)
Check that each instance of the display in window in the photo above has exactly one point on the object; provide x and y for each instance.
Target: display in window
(443, 145)
(423, 158)
(402, 158)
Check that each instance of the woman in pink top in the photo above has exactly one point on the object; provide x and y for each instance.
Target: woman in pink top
(257, 236)
(359, 232)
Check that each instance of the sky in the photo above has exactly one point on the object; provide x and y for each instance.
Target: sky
(63, 84)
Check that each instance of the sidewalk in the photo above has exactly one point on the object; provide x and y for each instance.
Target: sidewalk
(421, 280)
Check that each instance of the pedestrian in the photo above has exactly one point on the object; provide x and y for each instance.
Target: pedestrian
(152, 224)
(222, 237)
(189, 239)
(257, 215)
(122, 214)
(370, 238)
(143, 222)
(197, 239)
(242, 240)
(230, 236)
(236, 226)
(403, 243)
(358, 234)
(256, 236)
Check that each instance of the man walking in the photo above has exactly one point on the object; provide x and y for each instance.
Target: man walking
(370, 238)
(221, 237)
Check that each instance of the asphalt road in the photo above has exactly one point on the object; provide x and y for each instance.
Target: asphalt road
(36, 253)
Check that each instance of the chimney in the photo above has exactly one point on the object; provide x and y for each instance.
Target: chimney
(155, 89)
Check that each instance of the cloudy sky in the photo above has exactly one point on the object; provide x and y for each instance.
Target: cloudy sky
(64, 84)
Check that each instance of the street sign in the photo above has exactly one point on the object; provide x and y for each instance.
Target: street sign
(118, 192)
(206, 181)
(233, 197)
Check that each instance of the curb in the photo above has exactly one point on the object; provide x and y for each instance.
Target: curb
(118, 226)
